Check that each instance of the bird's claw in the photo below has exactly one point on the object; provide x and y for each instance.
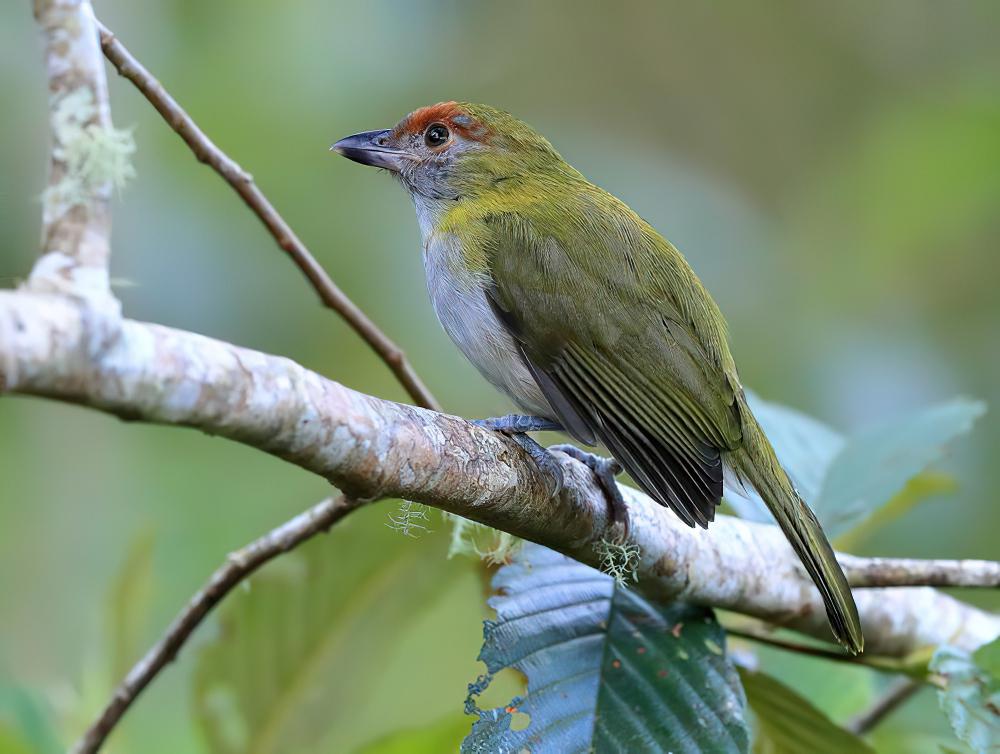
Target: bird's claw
(518, 424)
(515, 426)
(545, 461)
(605, 470)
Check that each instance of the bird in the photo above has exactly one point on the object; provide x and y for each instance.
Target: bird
(591, 322)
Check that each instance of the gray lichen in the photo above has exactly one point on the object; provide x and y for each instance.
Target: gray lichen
(619, 561)
(96, 159)
(410, 520)
(479, 541)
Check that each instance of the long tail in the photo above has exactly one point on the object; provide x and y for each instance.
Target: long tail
(757, 464)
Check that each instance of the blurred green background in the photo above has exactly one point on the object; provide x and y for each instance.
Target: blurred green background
(831, 170)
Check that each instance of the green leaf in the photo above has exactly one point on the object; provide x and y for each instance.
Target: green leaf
(27, 719)
(805, 446)
(303, 646)
(129, 605)
(12, 743)
(840, 689)
(971, 697)
(987, 657)
(876, 464)
(919, 488)
(845, 480)
(606, 670)
(789, 724)
(442, 736)
(889, 741)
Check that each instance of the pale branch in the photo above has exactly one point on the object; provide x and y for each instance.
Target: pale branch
(76, 215)
(237, 567)
(373, 448)
(880, 572)
(242, 182)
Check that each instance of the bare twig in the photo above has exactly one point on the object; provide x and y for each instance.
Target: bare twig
(76, 217)
(896, 695)
(242, 182)
(238, 566)
(764, 636)
(373, 448)
(882, 572)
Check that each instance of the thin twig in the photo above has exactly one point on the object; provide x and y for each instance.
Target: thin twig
(238, 566)
(884, 572)
(242, 182)
(882, 664)
(889, 702)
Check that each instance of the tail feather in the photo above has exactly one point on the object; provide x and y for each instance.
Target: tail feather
(758, 465)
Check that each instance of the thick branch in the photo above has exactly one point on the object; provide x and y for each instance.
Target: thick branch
(76, 220)
(242, 182)
(238, 566)
(373, 448)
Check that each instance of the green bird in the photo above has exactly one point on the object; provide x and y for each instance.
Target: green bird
(593, 323)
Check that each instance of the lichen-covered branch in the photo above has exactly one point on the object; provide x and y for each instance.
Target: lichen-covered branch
(89, 157)
(372, 448)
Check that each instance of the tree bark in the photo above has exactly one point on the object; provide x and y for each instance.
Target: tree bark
(59, 348)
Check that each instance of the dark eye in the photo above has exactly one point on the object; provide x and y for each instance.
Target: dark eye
(436, 135)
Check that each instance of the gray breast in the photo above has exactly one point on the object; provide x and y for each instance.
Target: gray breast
(459, 300)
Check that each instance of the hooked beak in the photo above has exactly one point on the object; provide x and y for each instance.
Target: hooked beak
(369, 148)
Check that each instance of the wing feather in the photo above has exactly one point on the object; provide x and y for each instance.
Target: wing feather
(656, 457)
(615, 358)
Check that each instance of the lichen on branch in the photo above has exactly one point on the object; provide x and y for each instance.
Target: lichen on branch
(96, 157)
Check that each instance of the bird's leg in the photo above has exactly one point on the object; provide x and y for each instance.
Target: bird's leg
(515, 426)
(605, 470)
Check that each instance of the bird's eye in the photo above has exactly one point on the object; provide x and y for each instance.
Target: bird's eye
(436, 135)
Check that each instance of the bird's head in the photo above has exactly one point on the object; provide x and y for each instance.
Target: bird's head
(453, 150)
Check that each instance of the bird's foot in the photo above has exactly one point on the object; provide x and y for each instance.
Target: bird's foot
(515, 426)
(605, 470)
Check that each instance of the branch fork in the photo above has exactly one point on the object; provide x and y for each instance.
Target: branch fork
(88, 156)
